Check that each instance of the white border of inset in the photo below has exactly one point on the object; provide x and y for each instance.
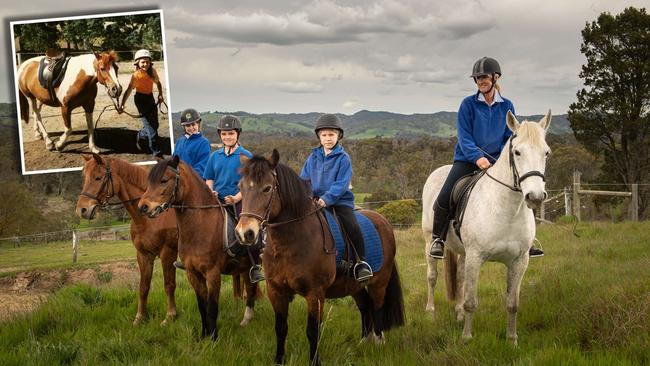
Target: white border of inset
(90, 16)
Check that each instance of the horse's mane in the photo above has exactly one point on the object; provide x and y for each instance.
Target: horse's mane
(131, 173)
(532, 133)
(294, 192)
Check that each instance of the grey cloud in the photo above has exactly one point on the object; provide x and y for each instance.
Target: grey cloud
(298, 87)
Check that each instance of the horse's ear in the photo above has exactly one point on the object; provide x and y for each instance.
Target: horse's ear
(97, 55)
(98, 159)
(174, 161)
(243, 159)
(275, 158)
(86, 156)
(512, 122)
(545, 122)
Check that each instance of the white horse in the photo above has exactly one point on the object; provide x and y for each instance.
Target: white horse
(498, 225)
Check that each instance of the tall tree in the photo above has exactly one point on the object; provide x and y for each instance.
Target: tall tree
(611, 116)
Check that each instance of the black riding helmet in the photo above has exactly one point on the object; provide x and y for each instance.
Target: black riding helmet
(229, 123)
(330, 121)
(485, 66)
(189, 116)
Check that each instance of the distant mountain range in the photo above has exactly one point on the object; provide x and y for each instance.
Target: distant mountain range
(363, 124)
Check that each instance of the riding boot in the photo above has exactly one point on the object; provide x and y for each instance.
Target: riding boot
(535, 252)
(255, 272)
(362, 271)
(153, 145)
(440, 225)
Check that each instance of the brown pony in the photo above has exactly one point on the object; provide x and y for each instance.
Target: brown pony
(105, 178)
(299, 257)
(175, 184)
(77, 89)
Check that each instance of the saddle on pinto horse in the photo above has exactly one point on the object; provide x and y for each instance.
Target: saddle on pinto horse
(460, 196)
(51, 70)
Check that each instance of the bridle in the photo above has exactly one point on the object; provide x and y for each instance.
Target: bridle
(516, 178)
(167, 204)
(107, 185)
(264, 219)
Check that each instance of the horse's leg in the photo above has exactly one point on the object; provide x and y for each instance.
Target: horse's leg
(315, 302)
(515, 274)
(145, 264)
(167, 258)
(251, 294)
(460, 278)
(39, 128)
(364, 303)
(91, 127)
(213, 280)
(470, 286)
(198, 283)
(280, 305)
(66, 113)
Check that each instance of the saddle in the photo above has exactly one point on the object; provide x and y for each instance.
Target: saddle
(51, 70)
(460, 196)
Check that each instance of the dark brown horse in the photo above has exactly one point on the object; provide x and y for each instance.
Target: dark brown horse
(78, 88)
(201, 247)
(299, 257)
(105, 178)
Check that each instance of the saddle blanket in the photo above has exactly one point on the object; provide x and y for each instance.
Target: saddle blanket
(374, 251)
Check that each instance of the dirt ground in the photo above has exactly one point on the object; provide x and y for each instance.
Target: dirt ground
(115, 134)
(26, 291)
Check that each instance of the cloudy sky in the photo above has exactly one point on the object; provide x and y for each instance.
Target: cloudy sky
(411, 56)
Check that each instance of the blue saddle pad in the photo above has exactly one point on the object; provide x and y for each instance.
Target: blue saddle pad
(374, 252)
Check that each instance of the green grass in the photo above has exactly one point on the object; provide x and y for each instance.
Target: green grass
(587, 302)
(59, 255)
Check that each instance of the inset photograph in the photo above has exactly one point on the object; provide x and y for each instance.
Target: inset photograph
(91, 84)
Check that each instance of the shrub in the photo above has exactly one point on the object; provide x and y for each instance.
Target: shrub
(403, 212)
(380, 197)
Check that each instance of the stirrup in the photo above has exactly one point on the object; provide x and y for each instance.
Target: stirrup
(535, 252)
(362, 271)
(179, 265)
(255, 273)
(437, 249)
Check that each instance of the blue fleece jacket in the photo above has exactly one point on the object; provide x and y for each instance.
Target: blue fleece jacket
(224, 171)
(193, 150)
(481, 125)
(330, 176)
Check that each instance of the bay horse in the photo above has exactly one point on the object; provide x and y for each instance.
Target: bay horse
(78, 88)
(498, 225)
(201, 237)
(299, 257)
(105, 178)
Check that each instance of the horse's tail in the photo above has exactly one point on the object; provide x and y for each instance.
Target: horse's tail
(393, 309)
(24, 106)
(451, 279)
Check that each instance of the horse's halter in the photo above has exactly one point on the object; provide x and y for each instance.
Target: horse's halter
(167, 204)
(516, 178)
(110, 192)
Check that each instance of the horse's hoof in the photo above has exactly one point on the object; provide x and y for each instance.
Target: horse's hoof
(466, 339)
(59, 147)
(430, 308)
(513, 341)
(379, 339)
(137, 320)
(94, 150)
(49, 146)
(244, 322)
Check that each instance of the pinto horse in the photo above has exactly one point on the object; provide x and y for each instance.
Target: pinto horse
(107, 177)
(174, 184)
(299, 257)
(77, 89)
(499, 224)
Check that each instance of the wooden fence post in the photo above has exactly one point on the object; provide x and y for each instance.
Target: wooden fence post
(576, 195)
(634, 204)
(567, 202)
(75, 246)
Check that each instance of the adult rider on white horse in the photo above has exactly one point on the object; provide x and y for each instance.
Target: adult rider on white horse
(482, 133)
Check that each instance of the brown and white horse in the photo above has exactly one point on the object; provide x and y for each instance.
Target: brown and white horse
(77, 89)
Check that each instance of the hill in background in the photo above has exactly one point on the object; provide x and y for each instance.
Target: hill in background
(361, 125)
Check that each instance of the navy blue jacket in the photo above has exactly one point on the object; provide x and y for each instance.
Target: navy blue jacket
(330, 176)
(481, 125)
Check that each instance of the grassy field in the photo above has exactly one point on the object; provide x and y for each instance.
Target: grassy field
(587, 302)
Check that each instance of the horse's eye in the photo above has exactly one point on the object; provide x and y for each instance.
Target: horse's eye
(517, 152)
(98, 178)
(164, 180)
(267, 189)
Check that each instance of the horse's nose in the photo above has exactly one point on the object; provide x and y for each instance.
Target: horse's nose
(249, 236)
(82, 212)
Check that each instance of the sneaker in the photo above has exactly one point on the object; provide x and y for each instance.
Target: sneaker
(179, 265)
(437, 250)
(362, 271)
(255, 274)
(137, 142)
(535, 252)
